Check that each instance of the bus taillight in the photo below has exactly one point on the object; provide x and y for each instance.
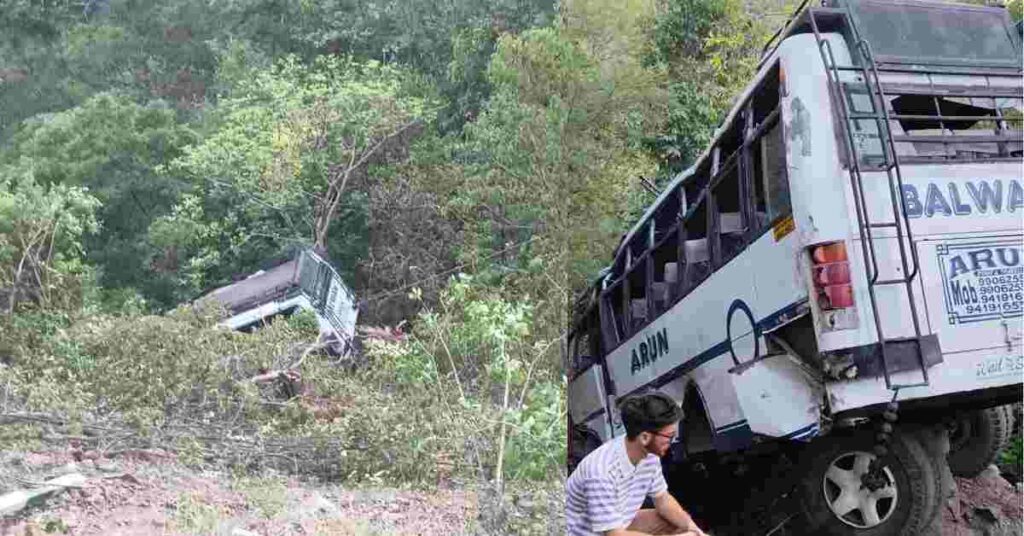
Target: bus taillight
(830, 270)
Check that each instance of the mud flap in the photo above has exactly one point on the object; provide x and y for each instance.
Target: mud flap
(779, 398)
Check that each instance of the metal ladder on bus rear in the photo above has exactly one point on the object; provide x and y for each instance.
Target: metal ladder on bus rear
(890, 164)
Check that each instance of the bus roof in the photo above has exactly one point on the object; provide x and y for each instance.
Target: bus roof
(869, 16)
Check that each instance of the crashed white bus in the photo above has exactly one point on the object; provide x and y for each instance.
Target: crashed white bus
(833, 292)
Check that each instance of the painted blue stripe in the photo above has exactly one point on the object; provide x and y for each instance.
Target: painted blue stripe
(771, 321)
(731, 425)
(717, 350)
(781, 316)
(800, 432)
(808, 436)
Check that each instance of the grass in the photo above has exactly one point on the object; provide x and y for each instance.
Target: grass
(192, 515)
(267, 496)
(345, 527)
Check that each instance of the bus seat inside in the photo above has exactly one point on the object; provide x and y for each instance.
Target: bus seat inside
(638, 312)
(731, 222)
(698, 261)
(731, 228)
(696, 250)
(660, 291)
(671, 272)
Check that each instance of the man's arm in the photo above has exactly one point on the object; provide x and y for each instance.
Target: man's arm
(624, 532)
(668, 507)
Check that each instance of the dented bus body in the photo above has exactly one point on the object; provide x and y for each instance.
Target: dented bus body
(851, 238)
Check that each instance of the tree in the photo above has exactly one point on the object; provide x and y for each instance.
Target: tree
(541, 178)
(711, 49)
(283, 155)
(111, 147)
(41, 229)
(54, 54)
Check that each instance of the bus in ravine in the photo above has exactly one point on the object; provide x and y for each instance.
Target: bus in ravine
(833, 291)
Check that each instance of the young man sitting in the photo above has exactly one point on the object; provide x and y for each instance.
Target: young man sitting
(605, 492)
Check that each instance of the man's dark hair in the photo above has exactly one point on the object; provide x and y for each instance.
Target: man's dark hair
(648, 413)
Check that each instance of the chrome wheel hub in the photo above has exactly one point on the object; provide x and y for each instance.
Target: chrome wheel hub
(850, 500)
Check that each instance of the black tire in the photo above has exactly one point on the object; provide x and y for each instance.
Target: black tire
(910, 472)
(976, 438)
(935, 440)
(1015, 412)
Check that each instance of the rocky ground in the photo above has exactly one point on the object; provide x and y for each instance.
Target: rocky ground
(144, 493)
(985, 506)
(150, 493)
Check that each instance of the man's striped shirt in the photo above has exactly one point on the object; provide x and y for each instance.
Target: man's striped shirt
(606, 490)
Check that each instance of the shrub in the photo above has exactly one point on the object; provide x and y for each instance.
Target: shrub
(474, 363)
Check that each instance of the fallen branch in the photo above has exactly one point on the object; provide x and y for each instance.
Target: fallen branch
(275, 375)
(18, 500)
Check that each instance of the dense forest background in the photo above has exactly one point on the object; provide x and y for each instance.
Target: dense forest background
(468, 165)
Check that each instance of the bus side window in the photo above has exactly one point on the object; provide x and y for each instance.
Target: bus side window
(614, 324)
(776, 180)
(639, 316)
(664, 257)
(611, 298)
(726, 196)
(695, 248)
(768, 152)
(636, 281)
(595, 346)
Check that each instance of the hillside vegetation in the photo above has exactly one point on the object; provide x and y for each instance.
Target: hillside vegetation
(467, 165)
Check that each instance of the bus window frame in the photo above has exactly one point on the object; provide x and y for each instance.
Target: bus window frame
(709, 174)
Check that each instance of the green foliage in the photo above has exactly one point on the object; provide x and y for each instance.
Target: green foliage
(20, 437)
(266, 495)
(1016, 9)
(193, 515)
(411, 366)
(538, 180)
(538, 443)
(691, 120)
(61, 52)
(305, 322)
(34, 78)
(111, 147)
(274, 171)
(1013, 455)
(478, 363)
(190, 451)
(148, 369)
(55, 526)
(41, 233)
(710, 49)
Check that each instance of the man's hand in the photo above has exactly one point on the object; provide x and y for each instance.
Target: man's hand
(693, 531)
(668, 508)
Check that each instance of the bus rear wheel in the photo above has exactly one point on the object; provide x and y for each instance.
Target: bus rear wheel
(837, 499)
(976, 437)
